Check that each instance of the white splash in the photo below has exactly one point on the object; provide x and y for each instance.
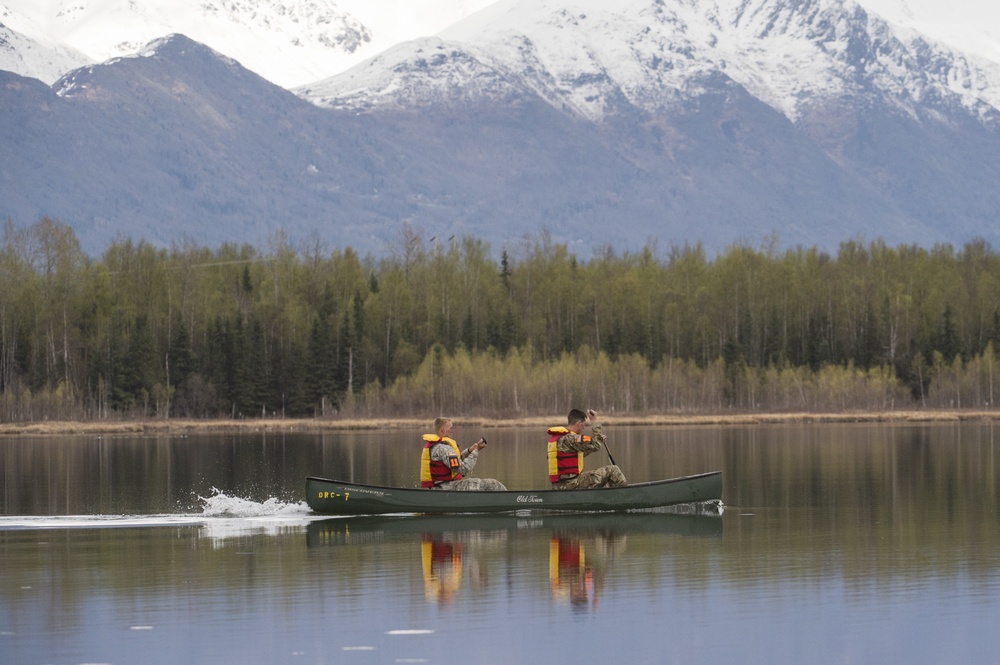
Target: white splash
(222, 505)
(231, 517)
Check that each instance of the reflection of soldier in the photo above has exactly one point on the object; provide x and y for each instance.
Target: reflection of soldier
(569, 577)
(442, 564)
(577, 568)
(448, 557)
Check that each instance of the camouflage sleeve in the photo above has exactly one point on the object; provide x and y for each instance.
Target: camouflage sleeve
(441, 452)
(597, 434)
(574, 444)
(469, 461)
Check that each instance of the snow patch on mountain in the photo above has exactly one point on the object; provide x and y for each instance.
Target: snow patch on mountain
(971, 26)
(283, 40)
(43, 59)
(289, 42)
(437, 72)
(582, 55)
(586, 57)
(589, 60)
(794, 53)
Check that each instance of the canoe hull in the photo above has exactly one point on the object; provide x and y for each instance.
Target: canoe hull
(334, 497)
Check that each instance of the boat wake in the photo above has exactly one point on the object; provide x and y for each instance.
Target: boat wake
(713, 508)
(221, 516)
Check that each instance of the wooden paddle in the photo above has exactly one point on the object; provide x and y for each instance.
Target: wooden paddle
(609, 452)
(592, 415)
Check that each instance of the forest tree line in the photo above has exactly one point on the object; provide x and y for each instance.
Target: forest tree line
(447, 327)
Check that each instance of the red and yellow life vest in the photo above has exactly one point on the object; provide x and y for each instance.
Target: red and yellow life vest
(563, 465)
(433, 472)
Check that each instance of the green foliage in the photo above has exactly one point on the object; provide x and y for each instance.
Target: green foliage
(446, 327)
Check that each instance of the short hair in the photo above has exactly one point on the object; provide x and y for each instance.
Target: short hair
(440, 421)
(576, 416)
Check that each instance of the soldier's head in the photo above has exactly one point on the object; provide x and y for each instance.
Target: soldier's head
(576, 420)
(443, 426)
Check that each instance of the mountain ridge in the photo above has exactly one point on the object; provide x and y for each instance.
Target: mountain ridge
(289, 42)
(824, 49)
(590, 137)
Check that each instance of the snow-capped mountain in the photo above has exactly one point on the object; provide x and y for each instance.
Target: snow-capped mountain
(793, 55)
(707, 121)
(289, 42)
(297, 42)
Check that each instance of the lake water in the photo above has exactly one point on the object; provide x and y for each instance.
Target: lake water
(837, 544)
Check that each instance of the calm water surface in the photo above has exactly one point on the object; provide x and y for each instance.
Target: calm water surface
(837, 544)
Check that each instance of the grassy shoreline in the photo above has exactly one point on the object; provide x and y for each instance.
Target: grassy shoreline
(316, 425)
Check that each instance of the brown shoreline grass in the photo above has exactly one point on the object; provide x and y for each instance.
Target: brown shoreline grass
(317, 425)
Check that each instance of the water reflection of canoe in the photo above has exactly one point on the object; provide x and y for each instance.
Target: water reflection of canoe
(335, 497)
(378, 528)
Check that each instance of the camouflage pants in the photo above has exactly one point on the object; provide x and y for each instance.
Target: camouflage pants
(606, 476)
(473, 485)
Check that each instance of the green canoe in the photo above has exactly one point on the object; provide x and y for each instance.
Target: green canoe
(335, 497)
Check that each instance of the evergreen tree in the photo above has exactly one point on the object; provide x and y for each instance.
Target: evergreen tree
(947, 340)
(291, 382)
(469, 331)
(505, 273)
(866, 348)
(220, 362)
(344, 375)
(993, 336)
(774, 351)
(613, 339)
(119, 397)
(322, 360)
(817, 345)
(138, 368)
(252, 388)
(501, 332)
(179, 357)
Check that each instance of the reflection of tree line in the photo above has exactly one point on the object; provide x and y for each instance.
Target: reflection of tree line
(885, 498)
(865, 473)
(146, 474)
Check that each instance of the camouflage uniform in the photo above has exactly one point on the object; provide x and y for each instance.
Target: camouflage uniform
(441, 453)
(605, 476)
